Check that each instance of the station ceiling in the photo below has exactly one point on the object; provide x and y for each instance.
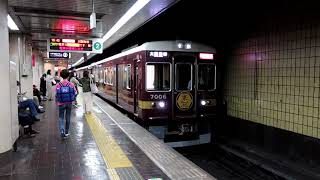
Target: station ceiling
(43, 19)
(216, 23)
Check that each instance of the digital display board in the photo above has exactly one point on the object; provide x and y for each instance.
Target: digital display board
(70, 44)
(75, 45)
(59, 55)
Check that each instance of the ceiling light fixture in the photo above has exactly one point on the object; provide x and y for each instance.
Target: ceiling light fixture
(124, 19)
(11, 24)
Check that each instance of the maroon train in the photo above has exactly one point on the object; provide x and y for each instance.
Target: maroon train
(169, 85)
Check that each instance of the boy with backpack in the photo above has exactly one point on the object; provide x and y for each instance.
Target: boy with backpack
(65, 96)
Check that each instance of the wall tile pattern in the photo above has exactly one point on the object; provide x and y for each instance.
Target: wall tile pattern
(273, 78)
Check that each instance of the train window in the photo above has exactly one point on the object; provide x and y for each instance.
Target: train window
(128, 76)
(158, 77)
(101, 80)
(183, 76)
(96, 75)
(126, 80)
(109, 76)
(206, 76)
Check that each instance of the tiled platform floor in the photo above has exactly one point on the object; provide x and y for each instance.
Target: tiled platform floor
(47, 157)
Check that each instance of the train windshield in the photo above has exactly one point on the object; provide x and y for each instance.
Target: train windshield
(158, 76)
(206, 76)
(183, 76)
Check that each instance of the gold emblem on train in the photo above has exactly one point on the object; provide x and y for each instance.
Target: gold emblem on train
(184, 100)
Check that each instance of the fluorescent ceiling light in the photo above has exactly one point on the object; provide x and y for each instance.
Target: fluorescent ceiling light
(79, 61)
(11, 23)
(123, 20)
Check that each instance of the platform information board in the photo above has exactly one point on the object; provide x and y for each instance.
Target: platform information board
(59, 55)
(75, 45)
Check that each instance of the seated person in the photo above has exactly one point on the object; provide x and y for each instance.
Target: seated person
(36, 93)
(26, 121)
(33, 108)
(24, 103)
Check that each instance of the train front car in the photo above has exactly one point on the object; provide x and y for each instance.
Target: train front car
(178, 98)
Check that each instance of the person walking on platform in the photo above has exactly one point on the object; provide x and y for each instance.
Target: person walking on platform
(87, 95)
(76, 83)
(65, 96)
(50, 82)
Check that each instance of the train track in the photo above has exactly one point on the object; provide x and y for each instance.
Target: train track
(225, 165)
(218, 162)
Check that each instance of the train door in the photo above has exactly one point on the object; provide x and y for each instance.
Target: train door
(117, 83)
(183, 88)
(135, 85)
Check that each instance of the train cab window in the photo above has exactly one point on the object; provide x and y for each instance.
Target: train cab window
(183, 76)
(158, 77)
(206, 76)
(127, 77)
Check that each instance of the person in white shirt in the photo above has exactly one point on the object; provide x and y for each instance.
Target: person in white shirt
(50, 82)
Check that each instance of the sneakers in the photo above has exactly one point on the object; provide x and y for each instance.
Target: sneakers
(35, 118)
(41, 111)
(34, 131)
(63, 134)
(31, 135)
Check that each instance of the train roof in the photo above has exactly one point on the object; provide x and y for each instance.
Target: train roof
(161, 46)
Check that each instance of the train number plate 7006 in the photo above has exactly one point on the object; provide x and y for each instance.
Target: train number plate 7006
(158, 96)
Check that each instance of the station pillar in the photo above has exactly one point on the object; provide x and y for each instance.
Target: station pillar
(21, 54)
(8, 93)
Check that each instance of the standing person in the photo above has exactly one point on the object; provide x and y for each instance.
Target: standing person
(87, 95)
(76, 83)
(65, 96)
(43, 86)
(49, 81)
(57, 78)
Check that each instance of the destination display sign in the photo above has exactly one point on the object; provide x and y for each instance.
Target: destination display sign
(59, 55)
(75, 45)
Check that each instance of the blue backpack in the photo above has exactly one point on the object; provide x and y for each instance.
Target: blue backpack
(65, 94)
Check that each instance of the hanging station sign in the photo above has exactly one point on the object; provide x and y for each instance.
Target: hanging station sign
(75, 45)
(59, 55)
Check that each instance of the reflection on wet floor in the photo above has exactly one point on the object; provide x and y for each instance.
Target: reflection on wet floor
(46, 156)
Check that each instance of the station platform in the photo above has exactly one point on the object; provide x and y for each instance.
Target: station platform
(105, 144)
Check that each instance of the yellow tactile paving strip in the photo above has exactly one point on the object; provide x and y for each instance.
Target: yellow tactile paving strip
(112, 154)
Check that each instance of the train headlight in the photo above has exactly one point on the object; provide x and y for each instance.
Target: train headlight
(162, 104)
(188, 46)
(203, 102)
